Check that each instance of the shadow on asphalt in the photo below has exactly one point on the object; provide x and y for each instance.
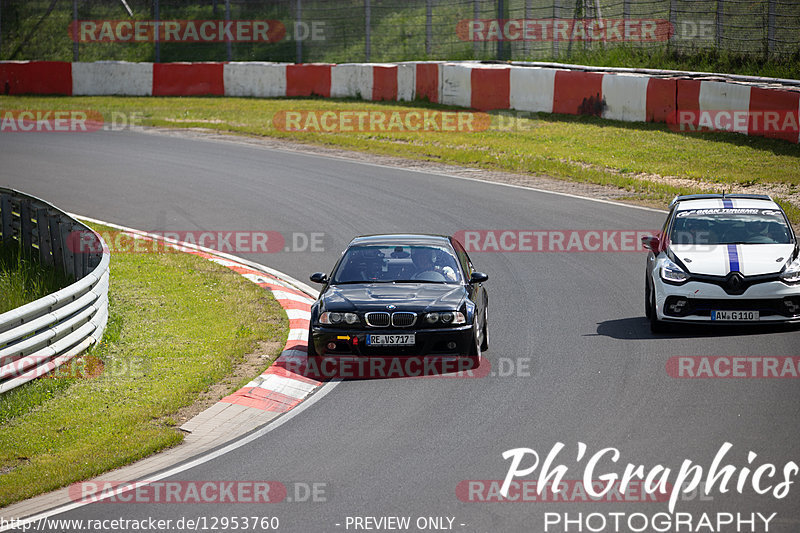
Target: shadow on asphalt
(638, 328)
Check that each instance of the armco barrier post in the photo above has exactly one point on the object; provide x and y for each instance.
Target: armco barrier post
(69, 255)
(42, 226)
(58, 248)
(26, 225)
(5, 206)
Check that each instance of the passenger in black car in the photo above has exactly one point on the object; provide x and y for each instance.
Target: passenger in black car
(427, 269)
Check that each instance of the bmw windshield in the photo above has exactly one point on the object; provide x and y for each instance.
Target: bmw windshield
(397, 264)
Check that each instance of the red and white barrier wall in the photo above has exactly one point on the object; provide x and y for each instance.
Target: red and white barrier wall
(627, 97)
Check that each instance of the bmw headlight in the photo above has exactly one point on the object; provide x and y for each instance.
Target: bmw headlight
(672, 273)
(446, 317)
(333, 317)
(791, 274)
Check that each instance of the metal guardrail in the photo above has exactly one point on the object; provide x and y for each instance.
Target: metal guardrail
(42, 335)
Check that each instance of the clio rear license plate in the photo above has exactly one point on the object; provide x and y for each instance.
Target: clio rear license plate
(391, 340)
(735, 316)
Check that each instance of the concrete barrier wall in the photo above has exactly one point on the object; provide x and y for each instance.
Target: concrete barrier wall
(429, 77)
(719, 96)
(486, 87)
(490, 88)
(661, 99)
(35, 77)
(787, 103)
(406, 87)
(578, 93)
(351, 80)
(532, 89)
(256, 79)
(456, 86)
(625, 97)
(188, 79)
(384, 82)
(112, 78)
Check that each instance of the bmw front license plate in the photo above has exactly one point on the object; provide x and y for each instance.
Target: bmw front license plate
(735, 316)
(391, 340)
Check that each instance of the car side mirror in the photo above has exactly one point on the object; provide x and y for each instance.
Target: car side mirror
(651, 243)
(319, 277)
(478, 277)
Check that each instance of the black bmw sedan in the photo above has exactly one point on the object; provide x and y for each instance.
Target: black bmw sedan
(400, 295)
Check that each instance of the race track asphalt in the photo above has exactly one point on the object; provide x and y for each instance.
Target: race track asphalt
(568, 327)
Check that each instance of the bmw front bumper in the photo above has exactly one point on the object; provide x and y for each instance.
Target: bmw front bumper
(427, 341)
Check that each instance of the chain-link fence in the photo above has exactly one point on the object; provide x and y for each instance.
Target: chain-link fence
(392, 30)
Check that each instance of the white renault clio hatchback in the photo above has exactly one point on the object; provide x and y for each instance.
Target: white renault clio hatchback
(723, 259)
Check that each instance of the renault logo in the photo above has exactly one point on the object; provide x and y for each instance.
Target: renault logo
(735, 282)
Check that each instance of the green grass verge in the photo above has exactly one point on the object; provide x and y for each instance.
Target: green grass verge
(178, 324)
(23, 279)
(637, 157)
